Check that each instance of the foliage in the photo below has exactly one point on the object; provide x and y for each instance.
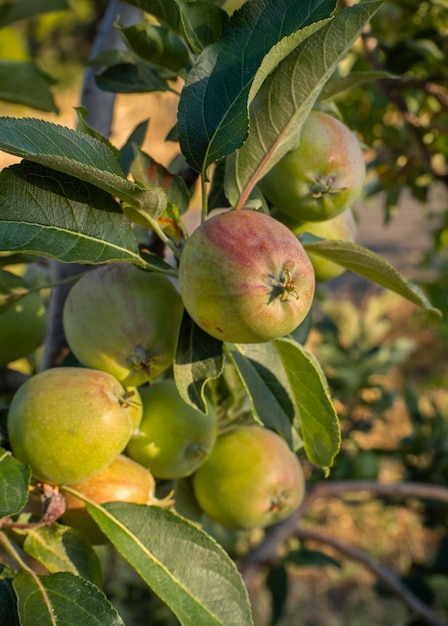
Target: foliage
(245, 84)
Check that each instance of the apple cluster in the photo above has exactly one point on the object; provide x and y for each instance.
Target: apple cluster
(115, 424)
(314, 186)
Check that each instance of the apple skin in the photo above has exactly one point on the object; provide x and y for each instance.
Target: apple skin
(124, 321)
(245, 278)
(250, 480)
(123, 480)
(174, 439)
(321, 177)
(23, 322)
(342, 227)
(69, 423)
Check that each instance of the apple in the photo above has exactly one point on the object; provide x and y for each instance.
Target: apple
(322, 176)
(69, 423)
(124, 321)
(245, 278)
(23, 320)
(123, 480)
(174, 439)
(251, 479)
(342, 227)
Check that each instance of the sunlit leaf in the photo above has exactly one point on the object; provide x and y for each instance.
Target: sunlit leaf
(212, 116)
(187, 569)
(286, 97)
(369, 264)
(318, 418)
(75, 153)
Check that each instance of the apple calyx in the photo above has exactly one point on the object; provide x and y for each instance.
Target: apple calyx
(196, 451)
(288, 286)
(278, 502)
(322, 185)
(141, 359)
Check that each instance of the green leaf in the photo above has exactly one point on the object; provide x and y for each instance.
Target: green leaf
(75, 153)
(135, 139)
(22, 82)
(166, 11)
(318, 418)
(49, 213)
(135, 77)
(203, 22)
(366, 263)
(286, 97)
(157, 45)
(61, 599)
(14, 483)
(24, 9)
(8, 603)
(183, 565)
(264, 378)
(199, 358)
(338, 86)
(148, 172)
(212, 115)
(64, 549)
(81, 113)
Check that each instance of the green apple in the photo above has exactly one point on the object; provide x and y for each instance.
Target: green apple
(245, 278)
(251, 479)
(321, 177)
(123, 480)
(174, 439)
(23, 320)
(124, 321)
(69, 423)
(342, 227)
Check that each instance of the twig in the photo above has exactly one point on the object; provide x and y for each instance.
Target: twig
(384, 574)
(278, 535)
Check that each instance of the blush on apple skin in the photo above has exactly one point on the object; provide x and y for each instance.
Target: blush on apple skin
(245, 278)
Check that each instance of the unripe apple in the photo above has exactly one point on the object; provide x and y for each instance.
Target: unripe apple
(244, 277)
(124, 321)
(251, 479)
(174, 438)
(123, 480)
(23, 323)
(69, 423)
(342, 227)
(322, 176)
